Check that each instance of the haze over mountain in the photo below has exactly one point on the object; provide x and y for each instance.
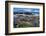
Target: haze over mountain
(34, 10)
(27, 11)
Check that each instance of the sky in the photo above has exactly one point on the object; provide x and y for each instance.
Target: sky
(26, 10)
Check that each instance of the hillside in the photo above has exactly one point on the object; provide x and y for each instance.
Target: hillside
(23, 20)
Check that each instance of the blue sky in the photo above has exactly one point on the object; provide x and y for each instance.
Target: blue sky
(26, 10)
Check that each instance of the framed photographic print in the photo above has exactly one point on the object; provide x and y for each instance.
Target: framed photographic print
(24, 17)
